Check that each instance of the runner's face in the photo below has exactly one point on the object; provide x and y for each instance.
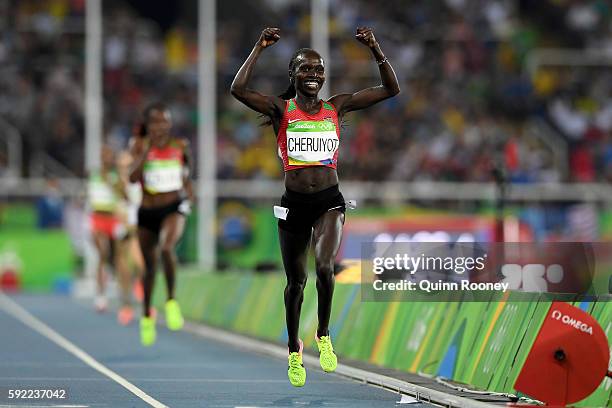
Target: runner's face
(309, 73)
(158, 126)
(107, 157)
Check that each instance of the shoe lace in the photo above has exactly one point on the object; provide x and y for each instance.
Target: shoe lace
(294, 360)
(325, 344)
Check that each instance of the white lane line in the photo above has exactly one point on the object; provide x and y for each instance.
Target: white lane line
(250, 344)
(26, 318)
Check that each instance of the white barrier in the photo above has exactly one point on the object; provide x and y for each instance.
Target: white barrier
(381, 191)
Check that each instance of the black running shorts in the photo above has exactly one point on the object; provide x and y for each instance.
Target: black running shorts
(305, 209)
(152, 218)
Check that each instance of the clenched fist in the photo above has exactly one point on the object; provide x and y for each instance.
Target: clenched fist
(269, 36)
(365, 35)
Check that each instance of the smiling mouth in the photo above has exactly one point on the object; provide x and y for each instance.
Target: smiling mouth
(312, 84)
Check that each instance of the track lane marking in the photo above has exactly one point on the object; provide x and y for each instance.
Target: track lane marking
(19, 313)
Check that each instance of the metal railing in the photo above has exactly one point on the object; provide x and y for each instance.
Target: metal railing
(565, 57)
(359, 190)
(43, 165)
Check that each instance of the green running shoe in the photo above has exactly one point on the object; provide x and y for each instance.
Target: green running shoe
(174, 318)
(327, 357)
(297, 372)
(147, 331)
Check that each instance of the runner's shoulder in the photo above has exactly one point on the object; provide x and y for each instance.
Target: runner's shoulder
(180, 143)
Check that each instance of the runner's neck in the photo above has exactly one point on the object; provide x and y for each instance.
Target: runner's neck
(308, 104)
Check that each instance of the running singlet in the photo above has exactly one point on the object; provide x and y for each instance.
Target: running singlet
(163, 169)
(306, 140)
(102, 195)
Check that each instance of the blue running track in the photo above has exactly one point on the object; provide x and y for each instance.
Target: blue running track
(180, 370)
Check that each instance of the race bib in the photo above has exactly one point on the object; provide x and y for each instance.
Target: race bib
(311, 143)
(163, 176)
(101, 196)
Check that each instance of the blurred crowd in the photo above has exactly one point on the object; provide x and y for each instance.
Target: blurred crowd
(41, 78)
(469, 101)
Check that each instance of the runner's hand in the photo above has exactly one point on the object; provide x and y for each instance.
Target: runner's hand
(269, 36)
(365, 35)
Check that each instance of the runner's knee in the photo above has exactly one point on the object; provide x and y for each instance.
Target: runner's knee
(167, 251)
(325, 269)
(296, 286)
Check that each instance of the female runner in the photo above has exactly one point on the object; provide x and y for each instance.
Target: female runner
(161, 165)
(308, 137)
(106, 190)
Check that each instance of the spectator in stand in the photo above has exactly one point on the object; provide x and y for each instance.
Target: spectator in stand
(463, 64)
(50, 207)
